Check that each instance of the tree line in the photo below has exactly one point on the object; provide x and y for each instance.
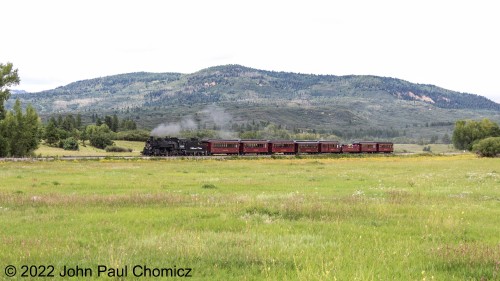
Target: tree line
(66, 132)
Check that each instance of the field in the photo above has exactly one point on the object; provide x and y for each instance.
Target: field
(136, 146)
(361, 218)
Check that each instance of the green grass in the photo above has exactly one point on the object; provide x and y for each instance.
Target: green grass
(137, 146)
(416, 148)
(375, 218)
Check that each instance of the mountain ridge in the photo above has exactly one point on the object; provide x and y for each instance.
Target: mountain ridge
(293, 100)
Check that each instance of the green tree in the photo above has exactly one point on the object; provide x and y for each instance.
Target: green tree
(99, 136)
(469, 132)
(78, 123)
(20, 133)
(488, 147)
(8, 78)
(51, 133)
(70, 144)
(446, 139)
(100, 140)
(108, 120)
(115, 123)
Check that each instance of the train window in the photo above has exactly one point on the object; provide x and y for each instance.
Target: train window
(308, 145)
(255, 145)
(225, 145)
(283, 145)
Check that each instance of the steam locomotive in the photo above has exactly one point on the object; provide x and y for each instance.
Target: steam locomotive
(194, 147)
(174, 147)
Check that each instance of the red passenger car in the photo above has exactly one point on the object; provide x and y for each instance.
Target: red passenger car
(385, 147)
(368, 146)
(329, 147)
(351, 148)
(254, 146)
(223, 146)
(281, 146)
(306, 146)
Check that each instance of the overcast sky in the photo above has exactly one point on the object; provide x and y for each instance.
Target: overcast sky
(451, 44)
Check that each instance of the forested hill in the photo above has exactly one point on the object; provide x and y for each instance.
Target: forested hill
(348, 105)
(240, 84)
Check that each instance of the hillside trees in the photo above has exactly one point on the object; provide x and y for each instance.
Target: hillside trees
(19, 132)
(68, 129)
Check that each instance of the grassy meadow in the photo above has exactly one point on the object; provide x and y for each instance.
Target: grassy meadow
(363, 218)
(88, 150)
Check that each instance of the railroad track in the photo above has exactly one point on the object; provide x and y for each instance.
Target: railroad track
(115, 157)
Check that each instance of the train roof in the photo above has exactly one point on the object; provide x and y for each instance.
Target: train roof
(251, 140)
(219, 140)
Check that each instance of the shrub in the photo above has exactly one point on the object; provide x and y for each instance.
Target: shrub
(488, 147)
(209, 186)
(70, 144)
(113, 148)
(101, 140)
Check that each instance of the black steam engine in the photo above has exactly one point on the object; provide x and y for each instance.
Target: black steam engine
(174, 146)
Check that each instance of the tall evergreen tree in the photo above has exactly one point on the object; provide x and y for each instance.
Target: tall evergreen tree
(19, 133)
(8, 78)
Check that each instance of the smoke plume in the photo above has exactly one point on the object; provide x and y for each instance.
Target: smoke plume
(174, 129)
(221, 120)
(211, 114)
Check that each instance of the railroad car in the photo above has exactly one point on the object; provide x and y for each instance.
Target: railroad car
(351, 148)
(330, 147)
(254, 147)
(367, 146)
(385, 147)
(223, 146)
(282, 146)
(306, 147)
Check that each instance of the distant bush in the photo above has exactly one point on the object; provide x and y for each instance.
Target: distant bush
(113, 148)
(209, 186)
(70, 144)
(488, 147)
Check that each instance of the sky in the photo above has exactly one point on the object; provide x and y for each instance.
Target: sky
(450, 44)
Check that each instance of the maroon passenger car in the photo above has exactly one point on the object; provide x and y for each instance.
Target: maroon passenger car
(223, 146)
(306, 146)
(254, 146)
(351, 148)
(368, 146)
(282, 146)
(329, 147)
(385, 147)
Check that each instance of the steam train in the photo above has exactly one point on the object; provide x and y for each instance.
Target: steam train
(185, 147)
